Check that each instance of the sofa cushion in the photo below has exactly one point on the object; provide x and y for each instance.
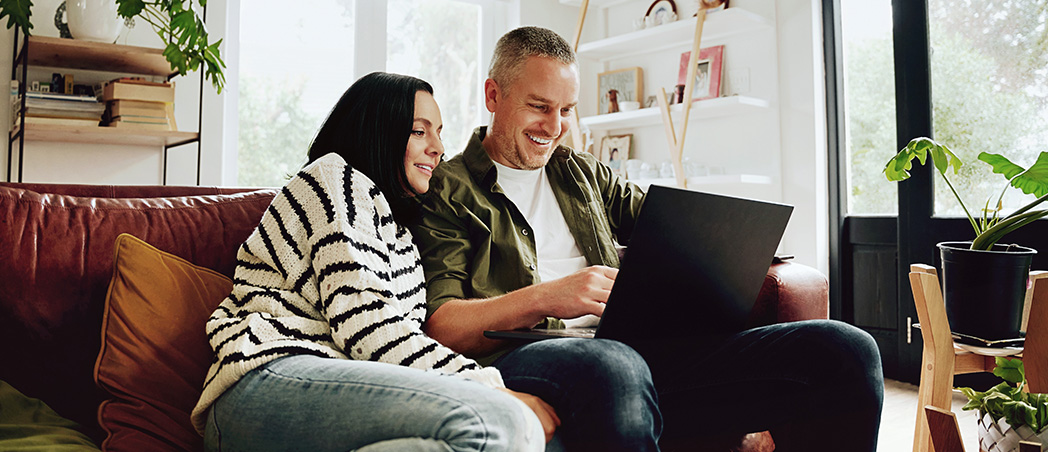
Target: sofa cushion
(29, 424)
(154, 353)
(56, 261)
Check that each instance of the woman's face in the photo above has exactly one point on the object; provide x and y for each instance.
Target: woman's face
(424, 146)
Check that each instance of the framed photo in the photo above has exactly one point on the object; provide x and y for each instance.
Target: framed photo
(709, 64)
(618, 86)
(614, 151)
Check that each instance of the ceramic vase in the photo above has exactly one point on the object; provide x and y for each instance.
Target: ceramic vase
(93, 20)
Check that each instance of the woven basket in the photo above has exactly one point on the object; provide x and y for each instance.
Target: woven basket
(1001, 437)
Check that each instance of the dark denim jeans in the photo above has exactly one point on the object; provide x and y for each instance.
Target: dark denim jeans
(817, 385)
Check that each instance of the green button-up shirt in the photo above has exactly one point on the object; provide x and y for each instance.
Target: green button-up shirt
(475, 243)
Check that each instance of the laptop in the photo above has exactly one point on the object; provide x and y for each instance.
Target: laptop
(693, 268)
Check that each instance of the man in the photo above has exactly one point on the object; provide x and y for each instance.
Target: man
(520, 231)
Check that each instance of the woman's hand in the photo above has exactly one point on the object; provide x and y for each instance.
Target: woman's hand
(543, 410)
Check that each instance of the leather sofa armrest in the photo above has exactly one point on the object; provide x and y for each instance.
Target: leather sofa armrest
(791, 292)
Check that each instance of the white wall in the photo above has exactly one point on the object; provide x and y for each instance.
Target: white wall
(782, 65)
(54, 162)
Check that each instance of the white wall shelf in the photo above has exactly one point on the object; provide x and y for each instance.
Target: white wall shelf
(698, 181)
(719, 25)
(709, 108)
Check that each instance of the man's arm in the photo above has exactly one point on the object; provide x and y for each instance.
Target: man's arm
(460, 324)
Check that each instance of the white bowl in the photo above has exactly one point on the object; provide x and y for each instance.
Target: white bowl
(628, 105)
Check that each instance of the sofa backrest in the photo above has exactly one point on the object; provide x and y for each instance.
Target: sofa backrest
(56, 261)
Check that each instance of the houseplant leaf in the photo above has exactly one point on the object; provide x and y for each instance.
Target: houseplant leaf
(17, 12)
(1031, 181)
(1010, 370)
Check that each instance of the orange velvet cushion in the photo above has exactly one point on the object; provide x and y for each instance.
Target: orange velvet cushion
(155, 352)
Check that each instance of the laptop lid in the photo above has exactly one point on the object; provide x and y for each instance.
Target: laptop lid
(694, 266)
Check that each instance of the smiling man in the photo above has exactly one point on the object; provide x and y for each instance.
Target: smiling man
(520, 231)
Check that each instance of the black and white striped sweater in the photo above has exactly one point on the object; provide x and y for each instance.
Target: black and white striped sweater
(326, 273)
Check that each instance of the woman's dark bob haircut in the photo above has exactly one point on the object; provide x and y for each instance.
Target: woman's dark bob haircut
(370, 126)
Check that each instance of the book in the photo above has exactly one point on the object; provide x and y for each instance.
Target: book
(138, 108)
(53, 113)
(34, 120)
(141, 119)
(139, 125)
(137, 91)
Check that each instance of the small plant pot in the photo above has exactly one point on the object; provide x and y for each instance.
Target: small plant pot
(984, 290)
(1000, 437)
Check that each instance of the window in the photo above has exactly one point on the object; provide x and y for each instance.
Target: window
(869, 105)
(295, 63)
(989, 93)
(438, 45)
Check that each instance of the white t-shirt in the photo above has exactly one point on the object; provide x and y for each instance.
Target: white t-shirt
(530, 191)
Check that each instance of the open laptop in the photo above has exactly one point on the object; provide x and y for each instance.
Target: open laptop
(693, 269)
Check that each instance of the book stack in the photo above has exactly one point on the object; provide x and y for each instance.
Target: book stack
(139, 104)
(57, 109)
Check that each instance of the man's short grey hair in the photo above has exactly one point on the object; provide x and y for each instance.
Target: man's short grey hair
(515, 47)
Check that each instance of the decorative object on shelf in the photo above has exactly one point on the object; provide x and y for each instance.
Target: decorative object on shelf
(614, 150)
(661, 12)
(60, 21)
(984, 298)
(709, 68)
(93, 20)
(650, 102)
(627, 85)
(613, 101)
(1007, 414)
(177, 23)
(629, 105)
(712, 5)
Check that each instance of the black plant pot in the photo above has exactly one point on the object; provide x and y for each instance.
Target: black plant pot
(984, 290)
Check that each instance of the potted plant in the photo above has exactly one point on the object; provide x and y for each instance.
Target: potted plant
(981, 276)
(1007, 414)
(175, 21)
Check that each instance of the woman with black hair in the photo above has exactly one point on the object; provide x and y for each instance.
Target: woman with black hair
(319, 346)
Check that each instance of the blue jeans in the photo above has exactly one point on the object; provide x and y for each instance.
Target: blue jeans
(817, 385)
(309, 403)
(601, 390)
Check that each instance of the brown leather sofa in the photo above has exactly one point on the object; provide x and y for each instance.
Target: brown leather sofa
(56, 262)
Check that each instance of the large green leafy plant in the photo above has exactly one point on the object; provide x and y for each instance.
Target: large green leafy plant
(990, 226)
(1007, 400)
(175, 21)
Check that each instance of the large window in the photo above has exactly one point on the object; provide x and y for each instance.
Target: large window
(869, 103)
(295, 63)
(989, 92)
(442, 48)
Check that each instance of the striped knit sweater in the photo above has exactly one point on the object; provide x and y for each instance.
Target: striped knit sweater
(327, 272)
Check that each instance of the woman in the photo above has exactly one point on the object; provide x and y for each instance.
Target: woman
(319, 346)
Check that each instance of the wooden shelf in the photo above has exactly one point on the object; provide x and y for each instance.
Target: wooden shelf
(106, 135)
(96, 56)
(719, 25)
(709, 108)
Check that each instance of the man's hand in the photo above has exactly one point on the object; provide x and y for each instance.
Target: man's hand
(580, 293)
(460, 324)
(549, 419)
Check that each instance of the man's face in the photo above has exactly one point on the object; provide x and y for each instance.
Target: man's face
(530, 116)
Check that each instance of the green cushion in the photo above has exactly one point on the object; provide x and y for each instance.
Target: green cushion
(28, 424)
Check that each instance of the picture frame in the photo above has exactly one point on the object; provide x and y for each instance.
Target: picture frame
(615, 150)
(708, 75)
(627, 85)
